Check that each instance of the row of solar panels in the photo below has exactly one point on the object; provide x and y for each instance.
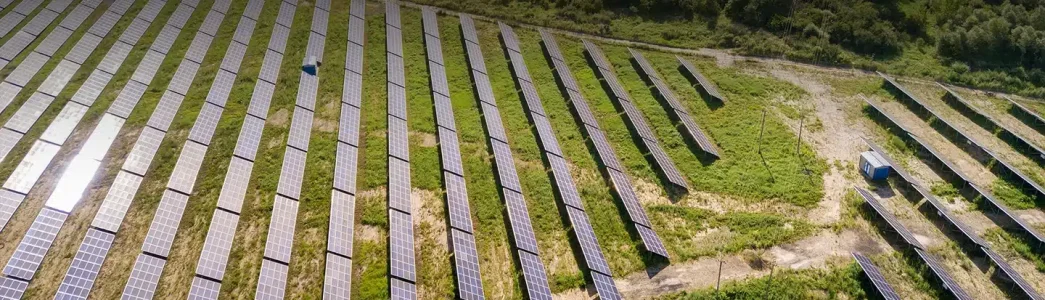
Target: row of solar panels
(79, 174)
(635, 117)
(535, 279)
(1027, 115)
(621, 184)
(21, 11)
(594, 260)
(402, 268)
(1008, 167)
(337, 279)
(708, 86)
(692, 131)
(462, 242)
(1021, 144)
(32, 30)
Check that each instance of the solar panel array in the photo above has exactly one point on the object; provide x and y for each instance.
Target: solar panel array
(337, 280)
(32, 30)
(535, 279)
(280, 238)
(567, 190)
(941, 273)
(1027, 289)
(692, 130)
(621, 184)
(401, 231)
(17, 15)
(635, 118)
(1027, 115)
(1021, 144)
(708, 86)
(871, 271)
(462, 242)
(79, 172)
(906, 235)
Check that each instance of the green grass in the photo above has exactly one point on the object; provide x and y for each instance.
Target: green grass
(842, 282)
(1015, 245)
(693, 232)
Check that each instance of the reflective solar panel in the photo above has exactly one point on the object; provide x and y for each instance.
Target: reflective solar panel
(397, 101)
(518, 63)
(348, 125)
(180, 16)
(233, 57)
(165, 110)
(889, 218)
(8, 23)
(307, 90)
(218, 244)
(494, 125)
(270, 67)
(342, 222)
(28, 68)
(532, 99)
(337, 279)
(165, 39)
(624, 189)
(212, 23)
(128, 99)
(605, 286)
(183, 178)
(505, 166)
(182, 80)
(90, 89)
(63, 124)
(651, 241)
(245, 28)
(59, 77)
(144, 278)
(15, 45)
(34, 245)
(438, 74)
(450, 152)
(103, 24)
(144, 150)
(26, 116)
(399, 184)
(566, 189)
(117, 201)
(566, 76)
(51, 43)
(941, 273)
(466, 262)
(354, 59)
(345, 168)
(457, 202)
(261, 99)
(395, 70)
(430, 21)
(392, 14)
(28, 171)
(203, 289)
(39, 22)
(597, 56)
(8, 92)
(8, 139)
(273, 280)
(292, 173)
(249, 137)
(508, 36)
(603, 149)
(468, 28)
(165, 223)
(667, 166)
(134, 31)
(356, 27)
(73, 182)
(319, 22)
(115, 57)
(534, 276)
(358, 8)
(697, 134)
(253, 9)
(285, 18)
(589, 244)
(198, 48)
(434, 51)
(206, 122)
(80, 276)
(9, 202)
(869, 269)
(475, 58)
(519, 216)
(150, 10)
(234, 189)
(398, 138)
(402, 290)
(281, 229)
(401, 245)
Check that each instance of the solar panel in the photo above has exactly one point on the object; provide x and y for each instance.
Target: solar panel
(183, 178)
(398, 138)
(234, 188)
(353, 89)
(394, 41)
(8, 139)
(204, 289)
(165, 223)
(272, 282)
(144, 150)
(605, 286)
(198, 48)
(221, 87)
(603, 148)
(180, 16)
(300, 129)
(73, 182)
(348, 129)
(941, 273)
(233, 57)
(402, 290)
(508, 36)
(547, 136)
(534, 276)
(30, 111)
(63, 124)
(165, 110)
(285, 17)
(99, 141)
(15, 45)
(567, 190)
(319, 23)
(8, 92)
(533, 100)
(505, 166)
(103, 24)
(182, 80)
(144, 277)
(399, 184)
(33, 247)
(466, 262)
(567, 79)
(622, 185)
(117, 201)
(212, 23)
(249, 137)
(27, 69)
(450, 152)
(358, 8)
(165, 39)
(519, 216)
(667, 166)
(651, 241)
(401, 245)
(392, 14)
(614, 83)
(86, 264)
(148, 67)
(494, 125)
(589, 244)
(597, 56)
(246, 26)
(128, 99)
(52, 42)
(292, 173)
(281, 229)
(638, 122)
(468, 28)
(551, 45)
(475, 58)
(89, 90)
(270, 67)
(253, 10)
(896, 167)
(38, 23)
(150, 10)
(342, 222)
(307, 90)
(9, 202)
(519, 66)
(337, 280)
(1009, 213)
(221, 6)
(218, 244)
(1012, 274)
(28, 171)
(261, 99)
(395, 70)
(697, 134)
(884, 289)
(58, 78)
(457, 202)
(345, 168)
(438, 75)
(889, 218)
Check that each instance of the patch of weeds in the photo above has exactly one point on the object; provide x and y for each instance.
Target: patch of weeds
(694, 232)
(1014, 245)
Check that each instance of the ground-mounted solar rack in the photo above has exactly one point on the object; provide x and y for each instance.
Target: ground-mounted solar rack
(564, 185)
(535, 279)
(462, 242)
(402, 276)
(635, 118)
(1026, 115)
(1018, 142)
(1010, 274)
(35, 27)
(690, 130)
(81, 171)
(272, 281)
(29, 170)
(15, 16)
(614, 168)
(709, 87)
(895, 225)
(942, 275)
(875, 276)
(337, 279)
